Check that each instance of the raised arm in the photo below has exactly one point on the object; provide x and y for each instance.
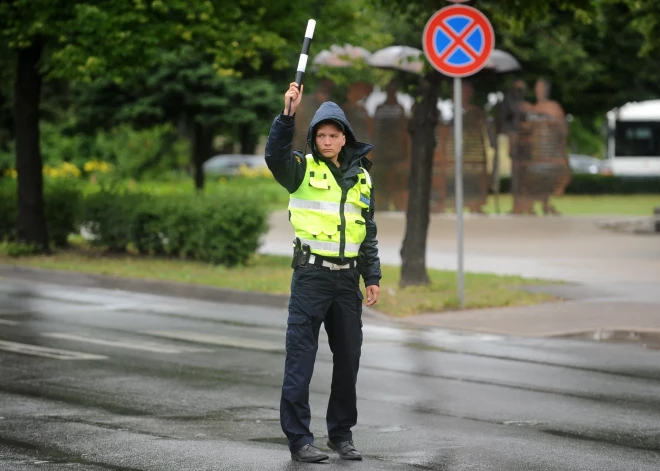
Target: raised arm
(287, 168)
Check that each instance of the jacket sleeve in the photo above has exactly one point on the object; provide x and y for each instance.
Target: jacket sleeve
(287, 168)
(370, 269)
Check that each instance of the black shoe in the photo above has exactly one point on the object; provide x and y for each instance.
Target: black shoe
(309, 454)
(346, 450)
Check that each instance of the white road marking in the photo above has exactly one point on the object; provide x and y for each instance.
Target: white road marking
(123, 306)
(236, 342)
(6, 322)
(145, 346)
(47, 352)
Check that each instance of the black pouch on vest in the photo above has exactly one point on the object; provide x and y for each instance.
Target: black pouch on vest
(297, 253)
(304, 255)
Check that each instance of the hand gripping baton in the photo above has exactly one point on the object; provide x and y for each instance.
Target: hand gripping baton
(302, 62)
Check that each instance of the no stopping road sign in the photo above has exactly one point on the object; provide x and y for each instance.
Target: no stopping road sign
(458, 40)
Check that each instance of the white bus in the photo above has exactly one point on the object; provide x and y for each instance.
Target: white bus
(633, 143)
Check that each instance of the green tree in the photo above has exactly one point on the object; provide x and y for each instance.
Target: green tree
(83, 40)
(48, 39)
(185, 90)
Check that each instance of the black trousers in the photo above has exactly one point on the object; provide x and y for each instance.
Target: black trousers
(331, 297)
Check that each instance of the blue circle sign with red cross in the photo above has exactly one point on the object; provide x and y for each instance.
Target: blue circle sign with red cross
(458, 40)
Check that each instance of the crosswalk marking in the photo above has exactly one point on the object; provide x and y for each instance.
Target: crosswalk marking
(47, 352)
(236, 342)
(144, 346)
(6, 322)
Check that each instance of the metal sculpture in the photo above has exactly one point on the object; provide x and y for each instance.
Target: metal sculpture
(391, 153)
(540, 167)
(475, 161)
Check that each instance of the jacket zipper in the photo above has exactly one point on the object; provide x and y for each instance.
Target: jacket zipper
(342, 227)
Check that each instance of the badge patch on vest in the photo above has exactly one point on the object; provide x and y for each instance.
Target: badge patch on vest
(365, 200)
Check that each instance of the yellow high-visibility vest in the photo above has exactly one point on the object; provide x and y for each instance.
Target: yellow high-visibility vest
(320, 216)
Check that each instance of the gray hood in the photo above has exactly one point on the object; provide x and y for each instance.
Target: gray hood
(353, 150)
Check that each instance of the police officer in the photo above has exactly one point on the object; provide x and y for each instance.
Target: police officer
(332, 212)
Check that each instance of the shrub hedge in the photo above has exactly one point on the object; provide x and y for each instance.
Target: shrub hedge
(587, 184)
(62, 199)
(219, 229)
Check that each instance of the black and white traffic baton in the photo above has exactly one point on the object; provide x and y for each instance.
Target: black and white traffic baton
(302, 62)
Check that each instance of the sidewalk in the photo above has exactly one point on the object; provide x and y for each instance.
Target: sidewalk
(562, 319)
(554, 248)
(614, 276)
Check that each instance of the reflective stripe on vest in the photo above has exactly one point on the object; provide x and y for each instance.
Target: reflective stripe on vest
(323, 206)
(329, 246)
(319, 218)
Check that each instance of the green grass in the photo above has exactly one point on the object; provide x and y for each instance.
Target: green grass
(588, 205)
(272, 274)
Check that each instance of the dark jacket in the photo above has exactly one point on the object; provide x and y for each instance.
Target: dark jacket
(288, 168)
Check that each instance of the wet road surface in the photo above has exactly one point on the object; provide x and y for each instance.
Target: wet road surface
(96, 379)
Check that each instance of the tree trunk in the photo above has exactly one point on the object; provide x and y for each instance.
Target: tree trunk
(248, 139)
(31, 224)
(422, 132)
(202, 150)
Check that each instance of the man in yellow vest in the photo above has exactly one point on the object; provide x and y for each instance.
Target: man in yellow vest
(331, 209)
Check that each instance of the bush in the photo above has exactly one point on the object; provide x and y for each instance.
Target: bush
(208, 228)
(218, 228)
(62, 200)
(107, 216)
(131, 153)
(586, 184)
(15, 249)
(226, 232)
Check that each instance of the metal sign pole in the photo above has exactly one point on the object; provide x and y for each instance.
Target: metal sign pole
(458, 147)
(445, 35)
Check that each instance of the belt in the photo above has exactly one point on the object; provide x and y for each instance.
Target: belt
(319, 262)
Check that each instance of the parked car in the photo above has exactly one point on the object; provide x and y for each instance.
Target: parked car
(585, 164)
(230, 164)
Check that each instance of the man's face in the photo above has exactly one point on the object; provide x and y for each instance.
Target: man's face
(329, 140)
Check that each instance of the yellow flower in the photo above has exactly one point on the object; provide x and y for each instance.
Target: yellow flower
(258, 172)
(97, 166)
(68, 169)
(11, 173)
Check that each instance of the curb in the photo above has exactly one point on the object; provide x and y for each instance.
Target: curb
(156, 287)
(162, 288)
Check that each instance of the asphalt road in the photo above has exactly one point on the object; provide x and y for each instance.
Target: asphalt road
(95, 379)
